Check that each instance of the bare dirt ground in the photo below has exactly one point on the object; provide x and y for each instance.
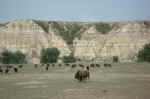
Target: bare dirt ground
(122, 81)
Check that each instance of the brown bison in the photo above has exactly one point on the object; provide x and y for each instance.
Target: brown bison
(81, 75)
(15, 69)
(74, 65)
(107, 65)
(81, 65)
(1, 70)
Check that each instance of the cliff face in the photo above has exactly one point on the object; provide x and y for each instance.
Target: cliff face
(89, 40)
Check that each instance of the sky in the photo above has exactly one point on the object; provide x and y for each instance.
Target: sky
(75, 10)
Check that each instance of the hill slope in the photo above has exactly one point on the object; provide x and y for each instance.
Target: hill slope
(87, 40)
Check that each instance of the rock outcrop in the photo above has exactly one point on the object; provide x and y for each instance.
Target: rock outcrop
(124, 39)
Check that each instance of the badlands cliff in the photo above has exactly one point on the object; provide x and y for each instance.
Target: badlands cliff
(89, 41)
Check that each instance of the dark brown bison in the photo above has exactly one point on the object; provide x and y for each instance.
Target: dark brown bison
(35, 65)
(74, 65)
(81, 75)
(107, 65)
(67, 64)
(47, 65)
(59, 65)
(15, 69)
(97, 65)
(92, 65)
(6, 71)
(53, 64)
(46, 68)
(81, 65)
(20, 66)
(1, 70)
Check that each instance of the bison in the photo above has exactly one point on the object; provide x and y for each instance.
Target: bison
(81, 65)
(15, 69)
(81, 75)
(97, 65)
(20, 66)
(107, 65)
(1, 70)
(46, 68)
(74, 65)
(92, 65)
(6, 71)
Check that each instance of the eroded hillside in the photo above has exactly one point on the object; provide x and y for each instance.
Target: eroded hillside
(86, 40)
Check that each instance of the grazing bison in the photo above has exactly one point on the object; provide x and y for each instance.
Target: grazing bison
(20, 66)
(6, 71)
(107, 65)
(97, 65)
(1, 70)
(59, 65)
(81, 65)
(35, 65)
(81, 75)
(46, 68)
(53, 65)
(47, 65)
(15, 69)
(74, 65)
(92, 65)
(67, 64)
(9, 66)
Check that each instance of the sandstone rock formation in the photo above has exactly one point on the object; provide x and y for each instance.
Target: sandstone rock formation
(124, 40)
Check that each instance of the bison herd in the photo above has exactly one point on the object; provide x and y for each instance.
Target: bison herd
(79, 75)
(6, 69)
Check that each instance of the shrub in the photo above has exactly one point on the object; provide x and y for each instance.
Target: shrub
(144, 54)
(68, 31)
(49, 55)
(103, 27)
(43, 24)
(69, 59)
(115, 59)
(13, 58)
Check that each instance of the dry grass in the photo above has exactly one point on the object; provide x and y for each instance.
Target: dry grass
(122, 81)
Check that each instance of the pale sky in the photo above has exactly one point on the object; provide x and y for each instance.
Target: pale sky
(75, 10)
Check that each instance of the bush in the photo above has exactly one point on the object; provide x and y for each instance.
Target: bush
(103, 27)
(49, 55)
(69, 59)
(13, 58)
(68, 31)
(144, 54)
(43, 24)
(115, 59)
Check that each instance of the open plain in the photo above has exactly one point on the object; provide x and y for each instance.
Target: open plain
(121, 81)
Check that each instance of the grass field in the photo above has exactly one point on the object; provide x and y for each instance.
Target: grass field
(122, 81)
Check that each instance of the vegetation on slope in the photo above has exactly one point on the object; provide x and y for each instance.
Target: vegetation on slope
(13, 58)
(144, 54)
(69, 59)
(43, 24)
(147, 24)
(68, 31)
(49, 55)
(103, 27)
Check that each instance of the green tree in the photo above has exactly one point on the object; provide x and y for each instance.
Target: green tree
(49, 55)
(13, 58)
(6, 57)
(69, 59)
(144, 54)
(19, 57)
(115, 59)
